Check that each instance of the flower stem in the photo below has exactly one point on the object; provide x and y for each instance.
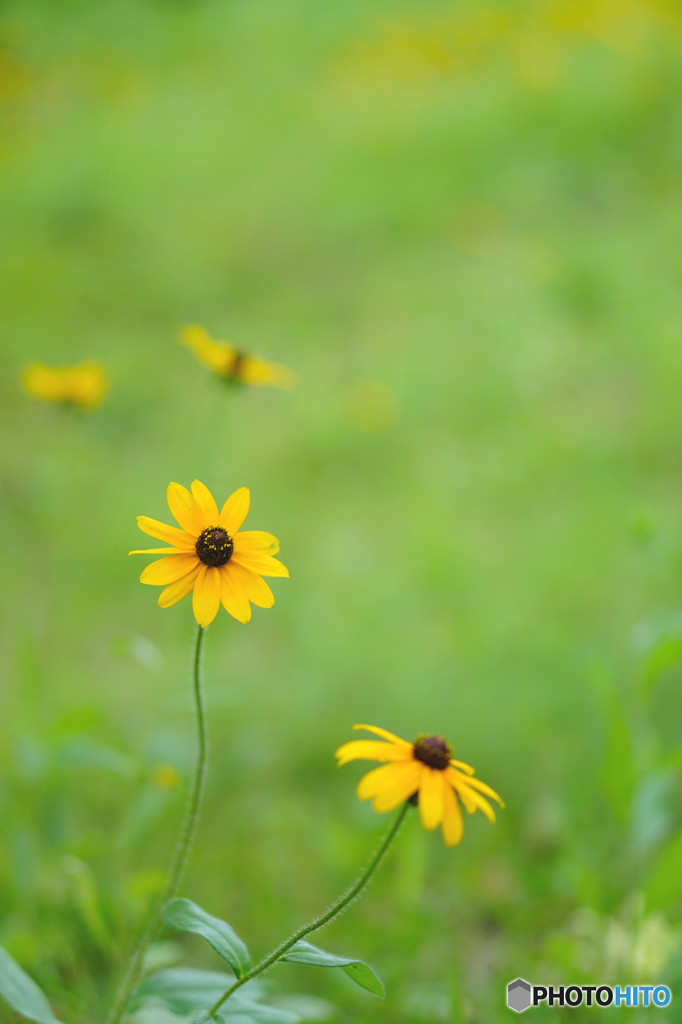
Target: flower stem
(322, 919)
(178, 863)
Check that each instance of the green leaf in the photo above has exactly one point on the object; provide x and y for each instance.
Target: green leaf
(664, 885)
(238, 1010)
(22, 993)
(618, 773)
(184, 989)
(360, 972)
(664, 655)
(159, 1015)
(185, 916)
(312, 1009)
(85, 897)
(659, 642)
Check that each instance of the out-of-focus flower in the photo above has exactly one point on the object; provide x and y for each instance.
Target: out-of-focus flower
(84, 386)
(234, 365)
(423, 55)
(166, 776)
(210, 556)
(425, 770)
(14, 75)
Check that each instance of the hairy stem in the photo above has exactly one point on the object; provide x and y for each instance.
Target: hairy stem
(322, 919)
(178, 864)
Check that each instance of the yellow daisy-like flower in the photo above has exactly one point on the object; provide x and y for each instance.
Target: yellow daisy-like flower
(84, 385)
(425, 770)
(234, 365)
(210, 555)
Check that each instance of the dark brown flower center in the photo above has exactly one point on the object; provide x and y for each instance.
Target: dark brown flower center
(214, 546)
(432, 750)
(234, 366)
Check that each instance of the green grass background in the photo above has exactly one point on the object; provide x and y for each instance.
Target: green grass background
(459, 222)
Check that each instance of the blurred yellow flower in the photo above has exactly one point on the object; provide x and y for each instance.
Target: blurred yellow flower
(210, 556)
(425, 770)
(84, 385)
(166, 776)
(233, 365)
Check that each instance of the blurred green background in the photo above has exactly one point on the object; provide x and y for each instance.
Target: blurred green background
(459, 223)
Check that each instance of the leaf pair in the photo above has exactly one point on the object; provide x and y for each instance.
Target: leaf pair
(185, 916)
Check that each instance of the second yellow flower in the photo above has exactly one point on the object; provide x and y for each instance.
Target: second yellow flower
(210, 556)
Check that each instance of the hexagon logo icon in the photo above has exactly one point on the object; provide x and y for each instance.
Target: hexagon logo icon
(518, 995)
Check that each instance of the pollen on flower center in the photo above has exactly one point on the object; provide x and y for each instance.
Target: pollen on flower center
(214, 546)
(433, 751)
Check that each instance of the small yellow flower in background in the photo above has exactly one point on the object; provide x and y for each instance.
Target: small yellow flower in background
(166, 776)
(233, 365)
(210, 556)
(424, 769)
(84, 385)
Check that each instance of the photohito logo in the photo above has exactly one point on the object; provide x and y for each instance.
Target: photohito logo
(521, 995)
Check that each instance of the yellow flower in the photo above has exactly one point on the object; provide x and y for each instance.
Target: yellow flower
(425, 770)
(210, 556)
(233, 365)
(84, 385)
(166, 776)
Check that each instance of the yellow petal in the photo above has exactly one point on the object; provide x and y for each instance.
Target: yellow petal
(403, 785)
(254, 588)
(206, 503)
(431, 798)
(370, 750)
(168, 534)
(185, 509)
(206, 596)
(465, 796)
(235, 509)
(452, 825)
(455, 779)
(256, 540)
(176, 591)
(262, 565)
(463, 766)
(218, 356)
(252, 370)
(483, 787)
(478, 800)
(169, 569)
(233, 596)
(158, 551)
(385, 734)
(379, 779)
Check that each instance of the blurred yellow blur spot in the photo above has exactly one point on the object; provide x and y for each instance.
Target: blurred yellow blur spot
(84, 386)
(371, 406)
(165, 776)
(13, 75)
(532, 42)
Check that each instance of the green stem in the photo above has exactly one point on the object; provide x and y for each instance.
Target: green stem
(178, 864)
(322, 919)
